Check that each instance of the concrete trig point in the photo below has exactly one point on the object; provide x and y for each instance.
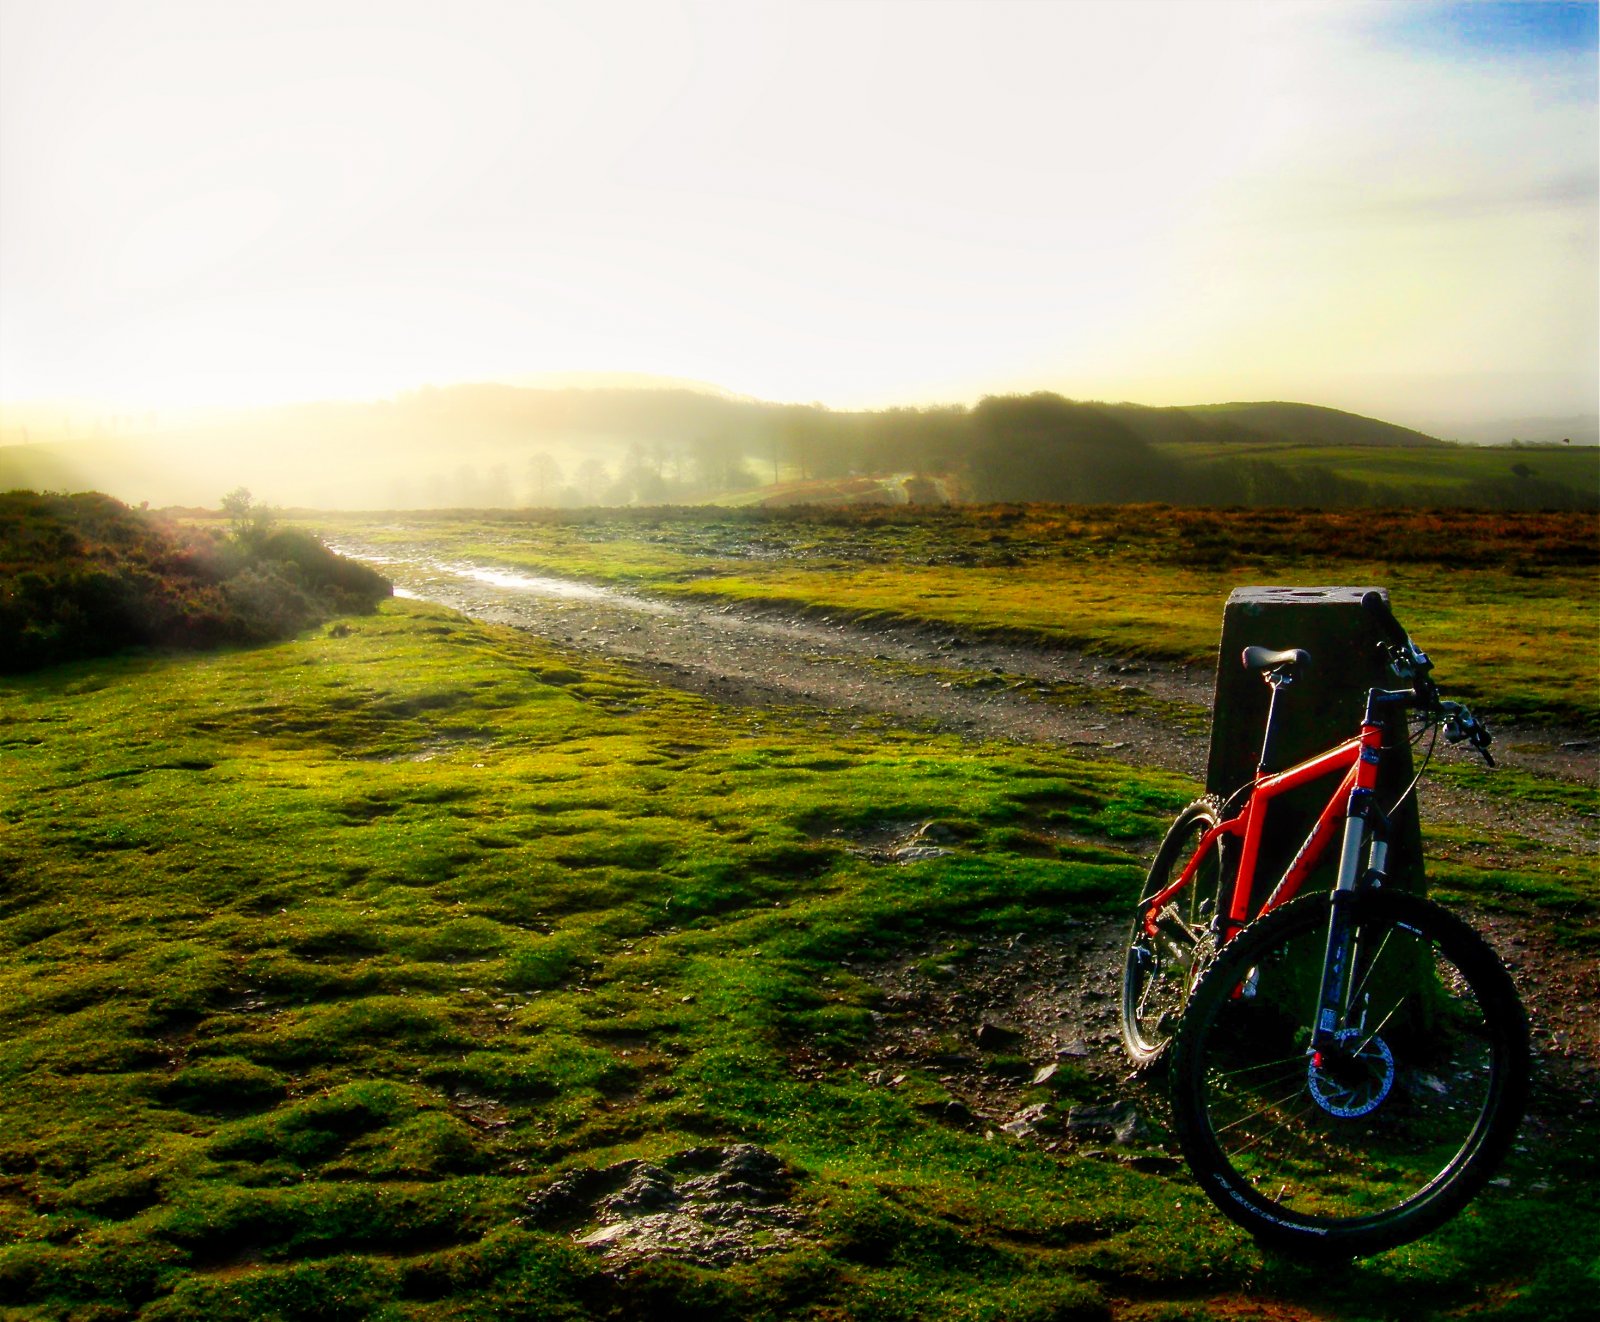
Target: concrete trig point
(1323, 707)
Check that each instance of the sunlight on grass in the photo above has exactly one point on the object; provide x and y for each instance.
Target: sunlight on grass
(317, 960)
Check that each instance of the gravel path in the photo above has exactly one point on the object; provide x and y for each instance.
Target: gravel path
(1147, 714)
(1048, 1001)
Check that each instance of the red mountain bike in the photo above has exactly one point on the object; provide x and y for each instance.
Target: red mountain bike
(1347, 1069)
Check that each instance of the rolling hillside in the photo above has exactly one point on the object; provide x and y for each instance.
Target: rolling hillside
(1302, 424)
(505, 446)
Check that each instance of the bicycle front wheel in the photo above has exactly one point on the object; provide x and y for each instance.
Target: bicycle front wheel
(1392, 1126)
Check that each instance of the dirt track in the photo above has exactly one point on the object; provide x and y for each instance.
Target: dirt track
(1055, 995)
(1147, 714)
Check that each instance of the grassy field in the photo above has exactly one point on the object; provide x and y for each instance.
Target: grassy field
(317, 960)
(1439, 471)
(1504, 603)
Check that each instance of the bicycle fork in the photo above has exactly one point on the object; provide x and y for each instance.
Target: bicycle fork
(1366, 833)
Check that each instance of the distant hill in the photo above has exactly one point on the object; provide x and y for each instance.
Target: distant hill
(1278, 422)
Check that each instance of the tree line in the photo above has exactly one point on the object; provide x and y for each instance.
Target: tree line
(1037, 447)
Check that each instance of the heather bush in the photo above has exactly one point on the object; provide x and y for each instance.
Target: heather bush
(84, 575)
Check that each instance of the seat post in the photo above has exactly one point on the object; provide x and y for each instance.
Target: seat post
(1275, 679)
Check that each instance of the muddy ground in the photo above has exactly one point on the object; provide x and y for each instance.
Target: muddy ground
(1019, 1014)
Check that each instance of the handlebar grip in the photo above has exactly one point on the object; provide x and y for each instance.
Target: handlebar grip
(1384, 618)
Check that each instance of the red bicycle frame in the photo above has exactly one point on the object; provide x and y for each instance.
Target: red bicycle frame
(1358, 757)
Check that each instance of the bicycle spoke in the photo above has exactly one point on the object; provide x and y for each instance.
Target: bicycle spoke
(1240, 1148)
(1297, 1059)
(1367, 1041)
(1359, 990)
(1263, 1109)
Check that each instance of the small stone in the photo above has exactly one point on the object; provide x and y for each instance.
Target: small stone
(993, 1037)
(950, 1111)
(1120, 1121)
(1044, 1074)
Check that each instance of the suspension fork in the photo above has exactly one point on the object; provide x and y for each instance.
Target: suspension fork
(1366, 832)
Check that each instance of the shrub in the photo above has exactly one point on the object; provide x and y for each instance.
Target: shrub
(84, 575)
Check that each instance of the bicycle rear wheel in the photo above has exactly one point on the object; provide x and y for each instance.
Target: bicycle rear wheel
(1159, 970)
(1387, 1133)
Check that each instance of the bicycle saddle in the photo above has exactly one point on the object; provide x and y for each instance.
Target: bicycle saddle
(1264, 658)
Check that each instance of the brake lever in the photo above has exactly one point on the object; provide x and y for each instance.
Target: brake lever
(1480, 741)
(1460, 724)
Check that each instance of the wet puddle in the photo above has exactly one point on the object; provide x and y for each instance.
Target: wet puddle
(542, 586)
(420, 572)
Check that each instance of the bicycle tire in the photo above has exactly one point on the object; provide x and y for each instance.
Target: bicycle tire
(1158, 972)
(1392, 1134)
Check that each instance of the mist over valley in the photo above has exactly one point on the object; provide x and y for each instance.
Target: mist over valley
(503, 446)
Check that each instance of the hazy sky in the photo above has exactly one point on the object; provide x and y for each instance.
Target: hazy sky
(1385, 207)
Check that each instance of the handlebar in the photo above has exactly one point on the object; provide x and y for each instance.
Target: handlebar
(1411, 662)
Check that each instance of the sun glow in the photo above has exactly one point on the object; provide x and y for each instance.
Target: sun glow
(866, 204)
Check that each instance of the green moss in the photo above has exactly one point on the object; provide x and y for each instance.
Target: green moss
(369, 965)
